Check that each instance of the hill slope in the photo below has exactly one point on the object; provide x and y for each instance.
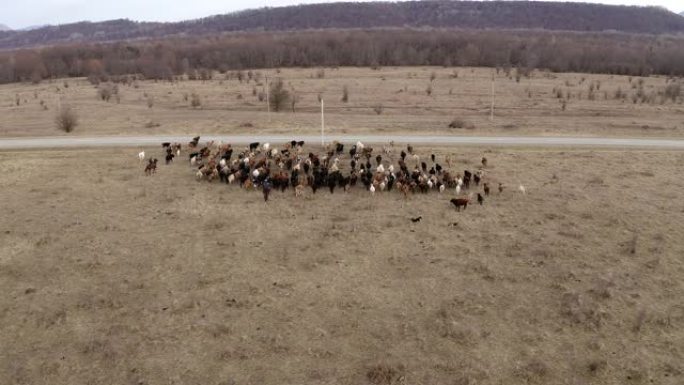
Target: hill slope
(3, 27)
(416, 14)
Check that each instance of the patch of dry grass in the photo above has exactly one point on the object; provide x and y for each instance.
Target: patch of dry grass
(109, 276)
(388, 100)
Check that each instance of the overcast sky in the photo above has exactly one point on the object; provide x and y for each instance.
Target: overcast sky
(24, 13)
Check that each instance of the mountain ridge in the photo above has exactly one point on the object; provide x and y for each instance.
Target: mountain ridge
(581, 17)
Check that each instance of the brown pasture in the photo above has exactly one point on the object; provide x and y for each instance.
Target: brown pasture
(109, 276)
(388, 100)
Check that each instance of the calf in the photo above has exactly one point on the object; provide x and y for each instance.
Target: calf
(460, 202)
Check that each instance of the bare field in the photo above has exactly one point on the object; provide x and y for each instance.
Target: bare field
(530, 106)
(112, 277)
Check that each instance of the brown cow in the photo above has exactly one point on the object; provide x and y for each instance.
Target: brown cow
(460, 202)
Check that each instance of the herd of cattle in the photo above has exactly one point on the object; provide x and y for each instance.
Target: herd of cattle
(264, 167)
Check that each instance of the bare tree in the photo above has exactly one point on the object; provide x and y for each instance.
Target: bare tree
(279, 96)
(293, 100)
(66, 119)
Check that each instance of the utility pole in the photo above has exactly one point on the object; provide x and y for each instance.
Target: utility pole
(322, 122)
(491, 110)
(268, 101)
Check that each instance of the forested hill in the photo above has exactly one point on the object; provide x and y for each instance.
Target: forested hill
(416, 14)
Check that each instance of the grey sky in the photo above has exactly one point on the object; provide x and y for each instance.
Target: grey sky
(23, 13)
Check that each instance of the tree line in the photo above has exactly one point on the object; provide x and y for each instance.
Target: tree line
(348, 15)
(608, 53)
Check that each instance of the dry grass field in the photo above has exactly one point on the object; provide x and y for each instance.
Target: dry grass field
(389, 100)
(111, 277)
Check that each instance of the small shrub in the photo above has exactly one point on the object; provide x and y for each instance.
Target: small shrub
(150, 102)
(279, 96)
(433, 76)
(195, 101)
(460, 123)
(378, 109)
(320, 73)
(345, 94)
(428, 90)
(106, 91)
(66, 119)
(673, 91)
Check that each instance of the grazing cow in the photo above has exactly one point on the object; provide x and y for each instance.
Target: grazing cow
(151, 167)
(480, 199)
(266, 189)
(253, 146)
(416, 220)
(141, 156)
(501, 188)
(484, 162)
(486, 189)
(476, 179)
(194, 142)
(166, 144)
(467, 175)
(522, 189)
(169, 158)
(460, 202)
(432, 156)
